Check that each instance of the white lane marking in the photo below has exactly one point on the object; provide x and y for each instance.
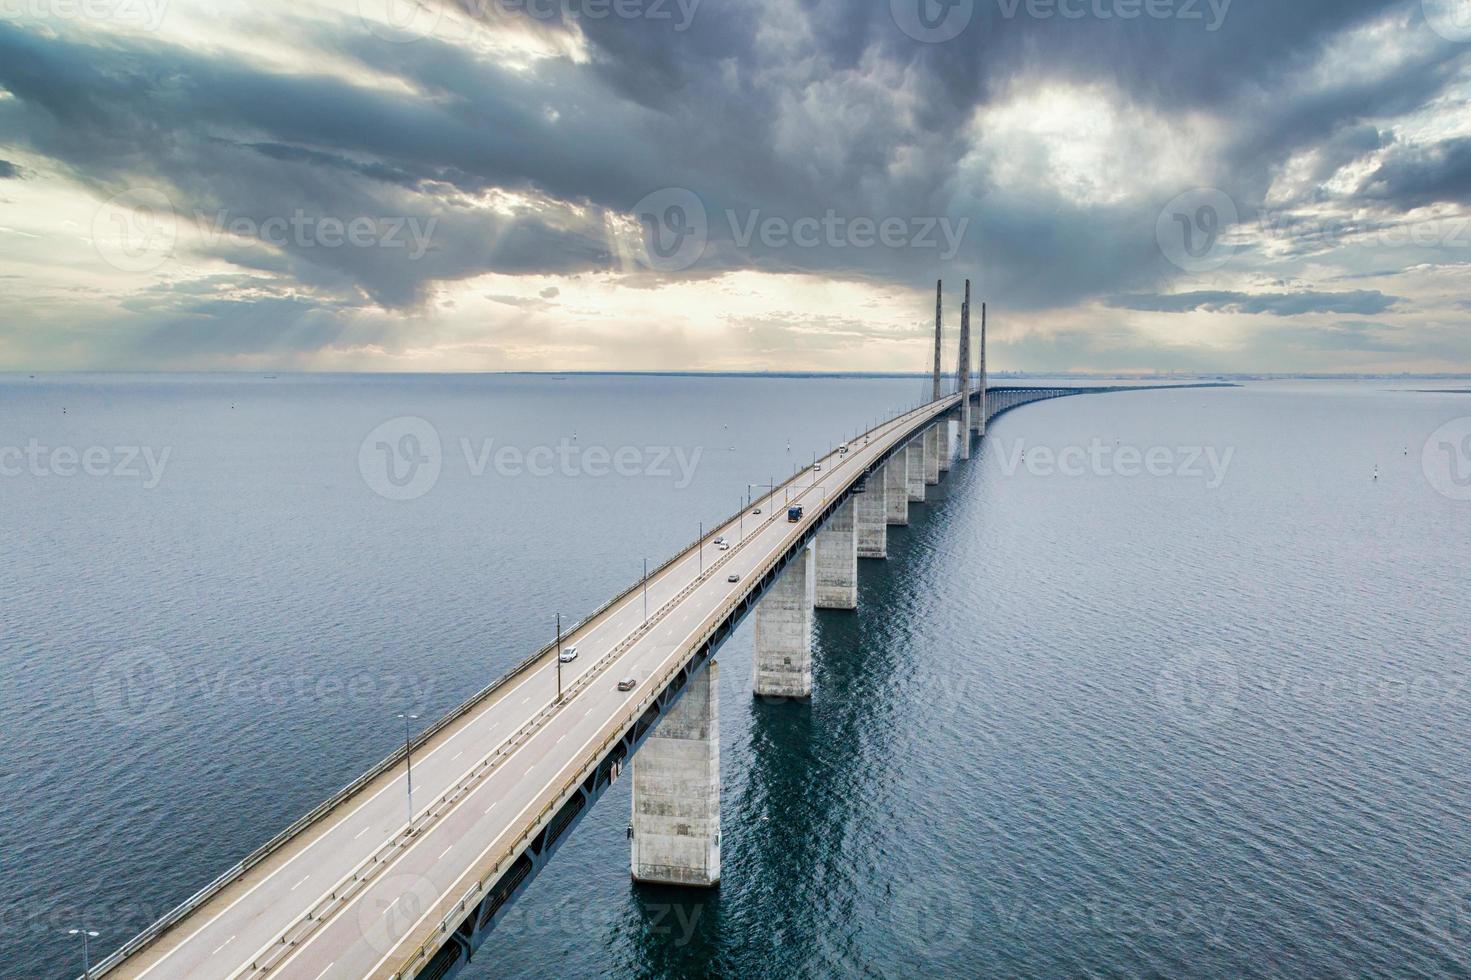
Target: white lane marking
(611, 614)
(457, 755)
(319, 976)
(223, 945)
(301, 882)
(444, 852)
(361, 833)
(489, 808)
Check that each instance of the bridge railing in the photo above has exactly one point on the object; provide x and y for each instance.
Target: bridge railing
(446, 908)
(323, 809)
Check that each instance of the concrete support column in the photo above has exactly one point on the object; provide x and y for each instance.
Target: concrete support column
(896, 488)
(675, 831)
(946, 448)
(932, 452)
(837, 560)
(784, 632)
(871, 511)
(914, 467)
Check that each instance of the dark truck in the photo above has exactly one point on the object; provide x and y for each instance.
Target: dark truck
(794, 514)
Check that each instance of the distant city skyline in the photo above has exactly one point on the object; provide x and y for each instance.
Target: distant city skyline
(735, 185)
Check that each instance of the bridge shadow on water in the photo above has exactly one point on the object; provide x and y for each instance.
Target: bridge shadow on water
(810, 801)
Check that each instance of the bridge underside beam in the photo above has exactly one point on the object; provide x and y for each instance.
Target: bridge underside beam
(837, 559)
(784, 632)
(675, 831)
(871, 511)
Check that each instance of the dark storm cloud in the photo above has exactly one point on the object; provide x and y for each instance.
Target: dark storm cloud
(760, 107)
(1414, 176)
(9, 171)
(1362, 301)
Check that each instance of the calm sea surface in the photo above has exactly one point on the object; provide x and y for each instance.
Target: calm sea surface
(1160, 684)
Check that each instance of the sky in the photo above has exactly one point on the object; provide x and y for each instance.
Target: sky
(766, 185)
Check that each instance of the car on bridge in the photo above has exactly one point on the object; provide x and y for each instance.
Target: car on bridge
(568, 655)
(794, 514)
(732, 577)
(628, 684)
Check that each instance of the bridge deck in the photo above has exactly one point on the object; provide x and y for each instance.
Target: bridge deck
(316, 902)
(317, 906)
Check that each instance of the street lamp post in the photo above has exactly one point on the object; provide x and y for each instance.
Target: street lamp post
(701, 548)
(559, 658)
(646, 592)
(87, 936)
(409, 762)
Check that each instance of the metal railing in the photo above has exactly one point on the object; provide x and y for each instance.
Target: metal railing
(327, 806)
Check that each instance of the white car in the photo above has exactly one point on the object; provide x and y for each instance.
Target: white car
(817, 467)
(569, 654)
(732, 577)
(724, 546)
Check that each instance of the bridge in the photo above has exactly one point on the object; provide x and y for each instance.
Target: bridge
(405, 871)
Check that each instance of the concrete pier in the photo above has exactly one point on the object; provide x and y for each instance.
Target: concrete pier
(914, 467)
(896, 488)
(947, 455)
(784, 632)
(675, 830)
(871, 511)
(837, 560)
(932, 453)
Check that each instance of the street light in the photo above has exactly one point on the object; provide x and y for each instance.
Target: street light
(559, 658)
(409, 762)
(646, 592)
(86, 935)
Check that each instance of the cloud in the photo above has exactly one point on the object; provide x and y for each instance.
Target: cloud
(1363, 301)
(525, 142)
(9, 171)
(1414, 176)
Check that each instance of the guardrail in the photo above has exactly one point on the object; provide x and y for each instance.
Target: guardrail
(444, 912)
(275, 843)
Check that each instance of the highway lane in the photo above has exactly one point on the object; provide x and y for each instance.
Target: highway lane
(442, 864)
(247, 925)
